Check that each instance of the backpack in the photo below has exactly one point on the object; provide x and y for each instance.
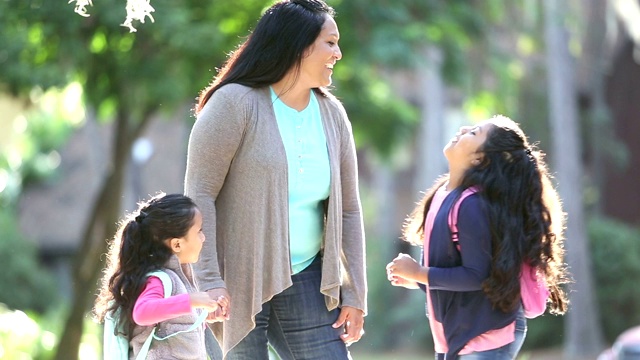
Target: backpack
(533, 289)
(116, 347)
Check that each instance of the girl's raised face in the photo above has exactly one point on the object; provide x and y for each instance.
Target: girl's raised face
(187, 248)
(317, 63)
(462, 151)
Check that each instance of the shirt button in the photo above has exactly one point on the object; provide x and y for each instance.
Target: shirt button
(301, 170)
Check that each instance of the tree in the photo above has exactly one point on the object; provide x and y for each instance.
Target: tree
(584, 337)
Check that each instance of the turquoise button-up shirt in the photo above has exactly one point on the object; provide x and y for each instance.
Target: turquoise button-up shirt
(304, 141)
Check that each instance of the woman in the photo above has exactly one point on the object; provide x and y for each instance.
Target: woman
(473, 296)
(272, 165)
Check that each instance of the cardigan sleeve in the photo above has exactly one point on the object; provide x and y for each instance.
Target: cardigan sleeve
(214, 140)
(474, 238)
(354, 288)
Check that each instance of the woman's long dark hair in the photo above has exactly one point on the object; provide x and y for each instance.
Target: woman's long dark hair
(277, 45)
(138, 248)
(525, 213)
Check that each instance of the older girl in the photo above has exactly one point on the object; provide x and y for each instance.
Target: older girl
(473, 296)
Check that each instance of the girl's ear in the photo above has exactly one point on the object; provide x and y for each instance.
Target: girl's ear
(175, 245)
(479, 156)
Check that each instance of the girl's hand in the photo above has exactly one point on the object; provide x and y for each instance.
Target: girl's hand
(221, 296)
(398, 281)
(203, 301)
(404, 270)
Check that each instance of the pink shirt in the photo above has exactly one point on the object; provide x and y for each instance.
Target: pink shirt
(152, 307)
(492, 339)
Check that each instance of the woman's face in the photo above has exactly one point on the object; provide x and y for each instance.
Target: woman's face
(319, 58)
(463, 149)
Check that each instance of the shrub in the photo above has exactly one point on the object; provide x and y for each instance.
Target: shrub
(615, 250)
(25, 284)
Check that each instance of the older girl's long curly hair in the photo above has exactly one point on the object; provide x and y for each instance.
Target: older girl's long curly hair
(140, 247)
(525, 214)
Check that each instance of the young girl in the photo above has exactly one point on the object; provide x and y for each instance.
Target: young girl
(473, 297)
(165, 234)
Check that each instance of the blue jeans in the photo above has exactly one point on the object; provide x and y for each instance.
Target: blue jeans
(295, 323)
(506, 352)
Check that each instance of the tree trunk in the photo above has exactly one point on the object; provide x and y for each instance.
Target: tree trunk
(429, 160)
(622, 93)
(591, 75)
(583, 336)
(102, 225)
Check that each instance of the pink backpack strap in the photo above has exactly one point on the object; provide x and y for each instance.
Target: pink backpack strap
(453, 215)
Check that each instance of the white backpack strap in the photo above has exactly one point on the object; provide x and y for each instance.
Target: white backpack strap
(167, 285)
(166, 281)
(144, 350)
(168, 288)
(201, 318)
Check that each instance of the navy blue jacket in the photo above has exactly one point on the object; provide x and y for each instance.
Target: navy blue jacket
(455, 277)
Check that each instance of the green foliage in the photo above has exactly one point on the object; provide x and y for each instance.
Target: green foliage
(396, 318)
(22, 337)
(390, 33)
(159, 67)
(545, 331)
(31, 287)
(167, 62)
(380, 118)
(378, 36)
(32, 154)
(27, 335)
(615, 250)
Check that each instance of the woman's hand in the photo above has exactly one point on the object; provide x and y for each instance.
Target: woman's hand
(221, 296)
(353, 321)
(405, 271)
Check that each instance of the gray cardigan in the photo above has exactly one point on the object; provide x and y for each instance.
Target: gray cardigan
(237, 174)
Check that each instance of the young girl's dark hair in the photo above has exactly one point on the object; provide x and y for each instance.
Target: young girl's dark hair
(138, 248)
(525, 214)
(276, 45)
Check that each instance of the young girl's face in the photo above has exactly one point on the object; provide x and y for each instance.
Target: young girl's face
(191, 243)
(463, 149)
